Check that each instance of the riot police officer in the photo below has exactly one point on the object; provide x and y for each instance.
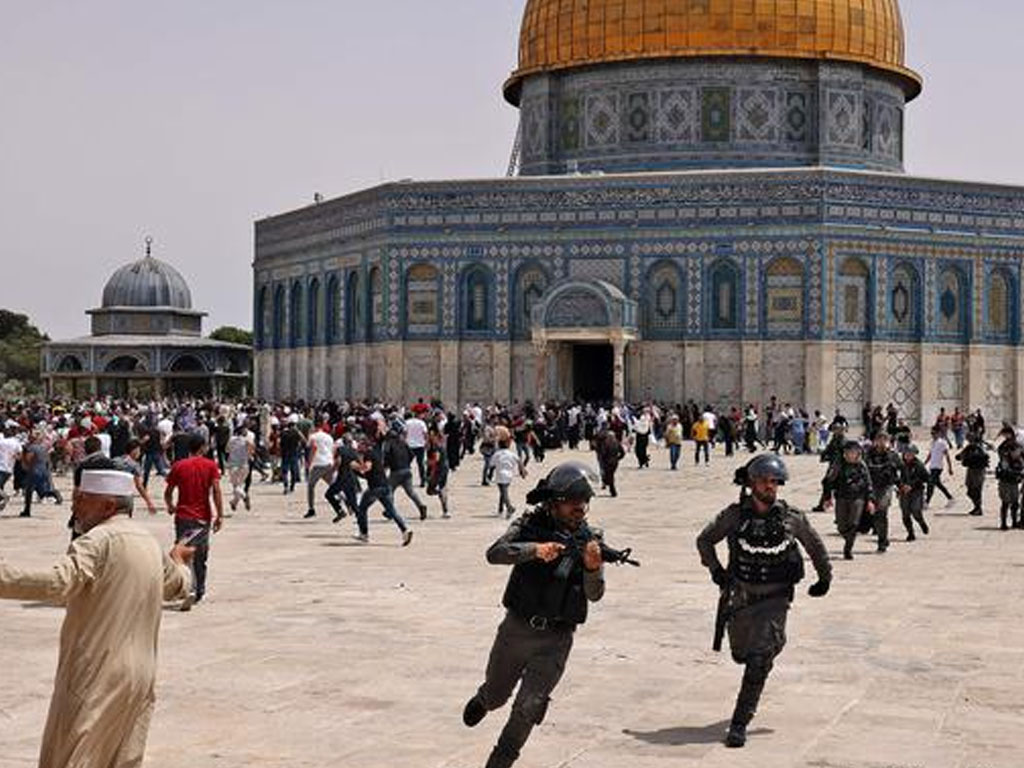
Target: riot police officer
(557, 569)
(765, 563)
(849, 481)
(884, 465)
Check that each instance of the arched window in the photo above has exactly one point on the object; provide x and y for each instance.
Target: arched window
(531, 282)
(421, 299)
(316, 314)
(725, 297)
(279, 316)
(333, 310)
(295, 315)
(125, 364)
(952, 316)
(69, 364)
(476, 299)
(853, 296)
(1000, 298)
(260, 317)
(784, 297)
(376, 304)
(353, 309)
(664, 299)
(904, 300)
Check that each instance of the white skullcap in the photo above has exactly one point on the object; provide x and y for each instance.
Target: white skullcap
(107, 482)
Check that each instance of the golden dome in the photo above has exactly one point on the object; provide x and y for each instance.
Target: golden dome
(564, 34)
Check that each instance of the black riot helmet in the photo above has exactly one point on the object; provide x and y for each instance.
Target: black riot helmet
(765, 465)
(570, 480)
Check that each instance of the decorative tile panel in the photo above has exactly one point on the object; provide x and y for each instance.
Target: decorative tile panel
(903, 382)
(758, 115)
(676, 118)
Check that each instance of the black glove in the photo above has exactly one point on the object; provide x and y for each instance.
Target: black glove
(720, 576)
(819, 588)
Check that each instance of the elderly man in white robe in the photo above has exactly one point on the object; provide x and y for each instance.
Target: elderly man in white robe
(113, 581)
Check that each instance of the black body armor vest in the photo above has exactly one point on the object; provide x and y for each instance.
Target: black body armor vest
(762, 549)
(553, 590)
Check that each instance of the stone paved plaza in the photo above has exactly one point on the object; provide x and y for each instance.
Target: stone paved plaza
(312, 650)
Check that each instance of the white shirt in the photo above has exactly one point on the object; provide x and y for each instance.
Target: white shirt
(709, 419)
(166, 428)
(104, 439)
(416, 432)
(238, 449)
(937, 453)
(506, 465)
(323, 449)
(10, 450)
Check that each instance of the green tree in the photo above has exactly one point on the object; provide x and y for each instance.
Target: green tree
(232, 335)
(20, 347)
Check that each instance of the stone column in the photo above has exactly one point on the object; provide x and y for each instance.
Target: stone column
(450, 373)
(752, 373)
(820, 363)
(878, 371)
(976, 384)
(1018, 386)
(395, 372)
(541, 354)
(501, 362)
(619, 369)
(929, 385)
(693, 372)
(679, 373)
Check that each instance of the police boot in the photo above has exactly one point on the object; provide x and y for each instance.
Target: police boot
(754, 678)
(474, 712)
(848, 548)
(502, 756)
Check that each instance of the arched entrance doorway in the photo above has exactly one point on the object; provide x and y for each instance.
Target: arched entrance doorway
(188, 375)
(580, 330)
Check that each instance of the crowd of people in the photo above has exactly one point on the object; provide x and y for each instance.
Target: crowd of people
(353, 455)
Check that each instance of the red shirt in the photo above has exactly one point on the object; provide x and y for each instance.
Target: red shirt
(193, 477)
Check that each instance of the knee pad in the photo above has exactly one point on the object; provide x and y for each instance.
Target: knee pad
(758, 668)
(533, 709)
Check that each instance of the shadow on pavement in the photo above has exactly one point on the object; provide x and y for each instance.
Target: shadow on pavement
(682, 735)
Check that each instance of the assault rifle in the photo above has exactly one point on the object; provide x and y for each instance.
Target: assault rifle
(722, 617)
(576, 541)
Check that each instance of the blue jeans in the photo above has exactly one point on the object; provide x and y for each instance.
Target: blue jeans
(290, 472)
(384, 496)
(673, 454)
(182, 528)
(151, 460)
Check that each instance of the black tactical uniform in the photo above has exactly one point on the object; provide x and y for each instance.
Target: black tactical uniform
(850, 483)
(764, 565)
(914, 477)
(545, 601)
(975, 458)
(1009, 472)
(884, 467)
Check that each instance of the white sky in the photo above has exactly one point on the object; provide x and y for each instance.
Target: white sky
(188, 120)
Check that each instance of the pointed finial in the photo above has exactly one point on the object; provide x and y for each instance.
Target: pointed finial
(149, 246)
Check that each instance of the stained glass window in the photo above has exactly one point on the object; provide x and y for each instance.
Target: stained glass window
(478, 314)
(663, 299)
(724, 297)
(296, 314)
(530, 287)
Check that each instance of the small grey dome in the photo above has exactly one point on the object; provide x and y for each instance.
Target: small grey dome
(148, 282)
